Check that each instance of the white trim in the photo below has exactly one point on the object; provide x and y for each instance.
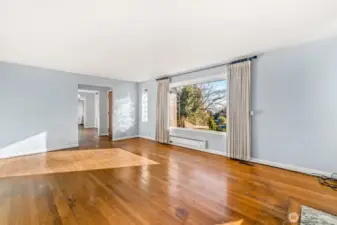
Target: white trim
(260, 161)
(83, 100)
(299, 169)
(85, 127)
(198, 80)
(124, 138)
(290, 167)
(104, 134)
(97, 110)
(198, 131)
(84, 111)
(145, 137)
(211, 151)
(112, 111)
(87, 91)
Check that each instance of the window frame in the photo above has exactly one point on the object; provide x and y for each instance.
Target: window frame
(192, 81)
(145, 91)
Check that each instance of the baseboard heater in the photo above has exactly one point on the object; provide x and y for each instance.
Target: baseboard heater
(188, 142)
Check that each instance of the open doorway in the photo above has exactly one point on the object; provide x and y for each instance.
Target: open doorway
(97, 114)
(80, 110)
(88, 116)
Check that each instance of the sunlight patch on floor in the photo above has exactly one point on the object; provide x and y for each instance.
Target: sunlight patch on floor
(70, 160)
(239, 222)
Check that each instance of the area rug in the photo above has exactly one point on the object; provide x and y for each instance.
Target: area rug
(310, 216)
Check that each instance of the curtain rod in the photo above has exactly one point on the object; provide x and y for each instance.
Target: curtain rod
(210, 67)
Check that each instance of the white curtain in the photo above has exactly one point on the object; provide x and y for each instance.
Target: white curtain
(239, 108)
(162, 125)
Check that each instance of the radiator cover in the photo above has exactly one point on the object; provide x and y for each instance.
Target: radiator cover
(188, 142)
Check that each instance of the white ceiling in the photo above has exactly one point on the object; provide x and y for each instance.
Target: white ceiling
(144, 39)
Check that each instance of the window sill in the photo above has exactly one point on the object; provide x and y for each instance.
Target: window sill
(219, 133)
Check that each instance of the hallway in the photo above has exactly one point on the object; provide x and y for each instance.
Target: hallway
(89, 137)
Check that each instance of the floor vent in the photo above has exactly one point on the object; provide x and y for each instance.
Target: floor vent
(244, 162)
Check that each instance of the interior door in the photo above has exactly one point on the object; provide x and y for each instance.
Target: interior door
(110, 113)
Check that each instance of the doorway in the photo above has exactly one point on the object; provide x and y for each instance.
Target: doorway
(80, 111)
(98, 122)
(88, 113)
(110, 114)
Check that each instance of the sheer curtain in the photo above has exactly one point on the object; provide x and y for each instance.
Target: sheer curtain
(239, 108)
(162, 125)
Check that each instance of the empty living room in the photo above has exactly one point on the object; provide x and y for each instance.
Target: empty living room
(169, 112)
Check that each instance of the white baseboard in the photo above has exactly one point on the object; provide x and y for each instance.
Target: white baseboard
(145, 137)
(267, 163)
(215, 152)
(254, 160)
(124, 138)
(291, 167)
(104, 134)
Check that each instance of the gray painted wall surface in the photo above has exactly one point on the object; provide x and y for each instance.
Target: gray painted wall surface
(40, 106)
(294, 99)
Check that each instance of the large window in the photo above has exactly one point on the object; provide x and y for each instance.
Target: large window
(199, 106)
(145, 106)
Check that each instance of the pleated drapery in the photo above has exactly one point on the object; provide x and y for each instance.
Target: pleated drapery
(162, 125)
(239, 111)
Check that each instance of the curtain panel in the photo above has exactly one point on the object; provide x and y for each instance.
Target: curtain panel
(239, 108)
(162, 124)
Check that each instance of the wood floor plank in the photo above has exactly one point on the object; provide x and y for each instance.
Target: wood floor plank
(182, 186)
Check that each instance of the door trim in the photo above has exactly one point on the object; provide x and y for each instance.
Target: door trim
(110, 114)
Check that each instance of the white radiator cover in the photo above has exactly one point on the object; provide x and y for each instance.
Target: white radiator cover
(188, 142)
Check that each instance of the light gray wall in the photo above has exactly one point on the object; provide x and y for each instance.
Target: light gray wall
(294, 97)
(41, 105)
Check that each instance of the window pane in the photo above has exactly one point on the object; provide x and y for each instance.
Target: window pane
(199, 106)
(145, 106)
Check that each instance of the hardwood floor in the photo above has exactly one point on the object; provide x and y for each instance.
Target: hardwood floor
(186, 187)
(70, 160)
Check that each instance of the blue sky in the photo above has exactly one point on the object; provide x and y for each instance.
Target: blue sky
(220, 84)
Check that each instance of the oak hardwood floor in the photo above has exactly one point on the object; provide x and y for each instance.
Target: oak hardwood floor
(186, 187)
(70, 160)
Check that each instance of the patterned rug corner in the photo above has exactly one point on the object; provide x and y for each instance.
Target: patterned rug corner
(310, 216)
